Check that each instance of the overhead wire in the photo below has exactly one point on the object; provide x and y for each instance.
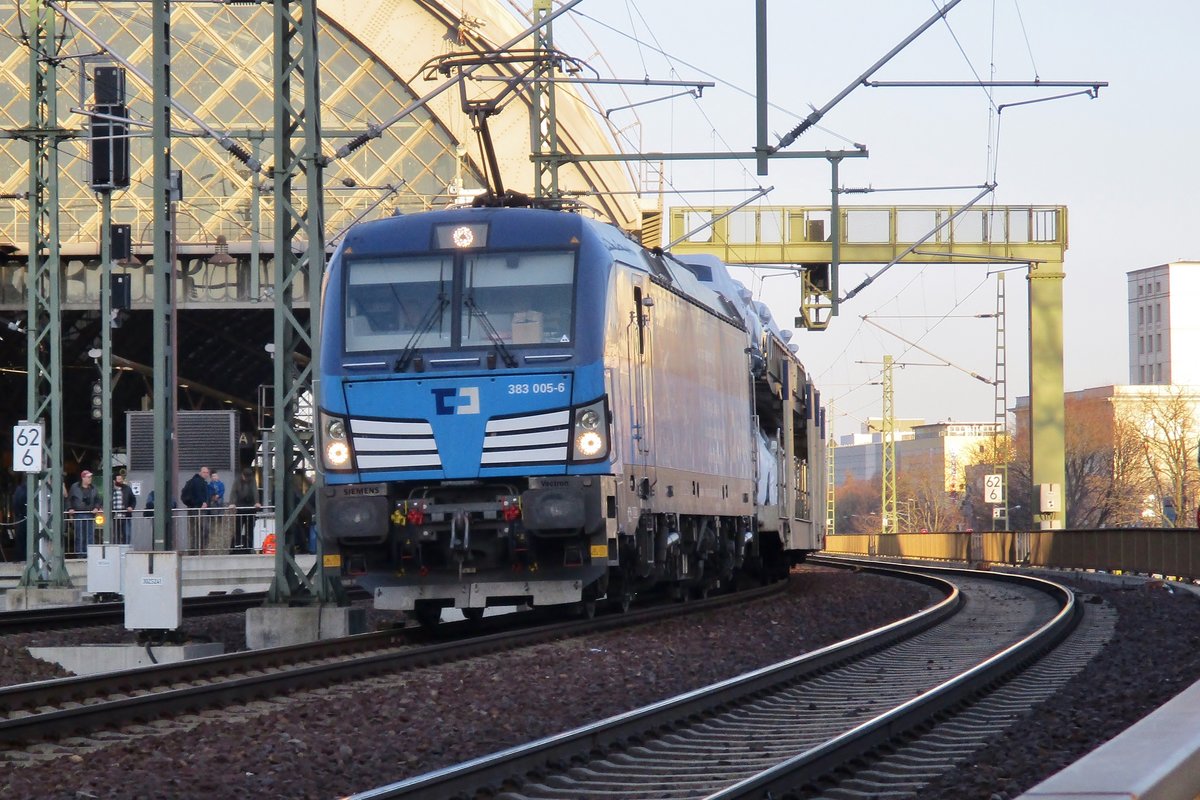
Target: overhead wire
(992, 114)
(874, 378)
(920, 275)
(705, 73)
(665, 177)
(1025, 33)
(986, 90)
(715, 132)
(641, 55)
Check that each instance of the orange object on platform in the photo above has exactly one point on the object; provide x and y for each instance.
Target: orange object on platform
(269, 544)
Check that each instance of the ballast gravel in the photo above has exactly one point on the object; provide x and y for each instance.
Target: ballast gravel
(333, 742)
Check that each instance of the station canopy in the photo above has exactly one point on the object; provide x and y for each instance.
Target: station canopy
(372, 53)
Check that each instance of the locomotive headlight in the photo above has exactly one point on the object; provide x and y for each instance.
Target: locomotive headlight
(335, 445)
(337, 454)
(589, 443)
(590, 436)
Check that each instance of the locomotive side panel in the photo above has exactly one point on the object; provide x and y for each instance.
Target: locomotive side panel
(626, 365)
(700, 417)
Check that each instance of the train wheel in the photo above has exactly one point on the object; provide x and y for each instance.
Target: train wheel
(473, 614)
(586, 609)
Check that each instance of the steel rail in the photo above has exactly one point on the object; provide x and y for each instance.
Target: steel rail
(258, 673)
(895, 724)
(508, 767)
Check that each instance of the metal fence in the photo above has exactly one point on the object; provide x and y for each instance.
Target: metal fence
(1170, 552)
(206, 531)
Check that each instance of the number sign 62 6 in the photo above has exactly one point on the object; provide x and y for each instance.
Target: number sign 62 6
(27, 448)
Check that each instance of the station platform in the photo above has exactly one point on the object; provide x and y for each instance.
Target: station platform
(202, 574)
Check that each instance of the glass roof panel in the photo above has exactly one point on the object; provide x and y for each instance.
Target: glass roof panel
(221, 62)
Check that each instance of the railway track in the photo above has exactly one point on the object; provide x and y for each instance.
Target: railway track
(75, 706)
(777, 730)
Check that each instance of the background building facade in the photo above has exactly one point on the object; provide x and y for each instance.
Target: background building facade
(1164, 324)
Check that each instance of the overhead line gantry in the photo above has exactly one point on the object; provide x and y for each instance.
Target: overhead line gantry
(1033, 235)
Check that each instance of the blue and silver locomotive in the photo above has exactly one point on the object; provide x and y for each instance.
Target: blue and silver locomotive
(523, 406)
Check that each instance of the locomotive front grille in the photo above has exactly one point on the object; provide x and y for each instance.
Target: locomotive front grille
(532, 438)
(380, 444)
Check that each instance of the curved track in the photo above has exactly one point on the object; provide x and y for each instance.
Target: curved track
(778, 728)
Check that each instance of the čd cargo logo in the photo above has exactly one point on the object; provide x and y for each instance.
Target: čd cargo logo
(457, 401)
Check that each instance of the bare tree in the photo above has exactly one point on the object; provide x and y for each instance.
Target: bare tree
(1130, 481)
(1168, 427)
(858, 503)
(1099, 468)
(921, 485)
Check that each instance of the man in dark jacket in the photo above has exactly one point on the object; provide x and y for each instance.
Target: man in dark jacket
(19, 506)
(195, 496)
(245, 498)
(83, 501)
(123, 504)
(195, 492)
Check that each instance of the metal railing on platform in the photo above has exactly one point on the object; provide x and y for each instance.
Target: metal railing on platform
(202, 531)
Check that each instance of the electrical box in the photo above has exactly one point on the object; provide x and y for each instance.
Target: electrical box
(153, 590)
(105, 564)
(1049, 498)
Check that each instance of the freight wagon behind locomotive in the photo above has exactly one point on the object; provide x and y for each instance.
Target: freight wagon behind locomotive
(525, 406)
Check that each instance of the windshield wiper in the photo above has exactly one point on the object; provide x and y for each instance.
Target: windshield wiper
(490, 330)
(431, 316)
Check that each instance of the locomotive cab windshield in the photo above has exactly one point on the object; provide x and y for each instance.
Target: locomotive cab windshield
(464, 300)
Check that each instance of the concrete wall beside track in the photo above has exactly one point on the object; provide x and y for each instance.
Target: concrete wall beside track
(202, 575)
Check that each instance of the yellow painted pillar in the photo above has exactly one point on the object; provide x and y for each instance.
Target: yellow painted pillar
(1046, 406)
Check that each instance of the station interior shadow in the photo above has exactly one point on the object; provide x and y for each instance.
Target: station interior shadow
(222, 363)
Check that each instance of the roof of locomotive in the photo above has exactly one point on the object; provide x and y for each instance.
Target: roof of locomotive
(705, 279)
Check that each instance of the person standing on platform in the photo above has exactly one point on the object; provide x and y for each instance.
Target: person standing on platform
(247, 506)
(220, 524)
(195, 497)
(123, 504)
(83, 501)
(216, 491)
(19, 506)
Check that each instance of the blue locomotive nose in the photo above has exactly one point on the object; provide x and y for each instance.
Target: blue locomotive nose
(461, 427)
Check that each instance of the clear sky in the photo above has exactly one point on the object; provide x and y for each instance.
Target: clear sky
(1124, 164)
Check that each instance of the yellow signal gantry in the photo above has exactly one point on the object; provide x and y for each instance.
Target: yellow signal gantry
(926, 234)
